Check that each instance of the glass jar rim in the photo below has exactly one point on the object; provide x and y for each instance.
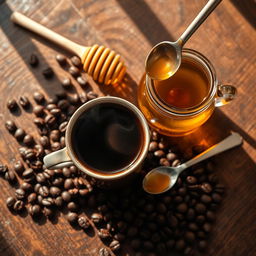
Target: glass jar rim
(208, 68)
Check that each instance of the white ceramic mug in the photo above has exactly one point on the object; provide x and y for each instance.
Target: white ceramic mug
(66, 156)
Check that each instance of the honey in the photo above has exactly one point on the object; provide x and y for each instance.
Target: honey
(157, 182)
(180, 104)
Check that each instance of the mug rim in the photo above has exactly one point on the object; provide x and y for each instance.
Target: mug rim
(136, 161)
(208, 67)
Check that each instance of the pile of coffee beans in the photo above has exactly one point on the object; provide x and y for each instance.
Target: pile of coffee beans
(180, 219)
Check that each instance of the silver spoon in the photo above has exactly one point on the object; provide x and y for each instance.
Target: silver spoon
(163, 178)
(164, 59)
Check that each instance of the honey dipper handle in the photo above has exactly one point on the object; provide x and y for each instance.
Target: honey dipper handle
(37, 28)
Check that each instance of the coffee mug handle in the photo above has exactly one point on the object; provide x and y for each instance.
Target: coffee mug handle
(58, 159)
(225, 94)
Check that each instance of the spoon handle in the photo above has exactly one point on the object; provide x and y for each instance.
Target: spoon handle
(231, 141)
(199, 19)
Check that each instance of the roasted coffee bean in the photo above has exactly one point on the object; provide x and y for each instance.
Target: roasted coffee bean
(66, 83)
(28, 174)
(161, 208)
(193, 226)
(76, 61)
(61, 59)
(55, 146)
(72, 217)
(180, 245)
(200, 219)
(171, 156)
(32, 198)
(74, 71)
(63, 104)
(52, 100)
(216, 198)
(119, 236)
(135, 244)
(18, 167)
(189, 236)
(104, 252)
(62, 142)
(50, 120)
(114, 245)
(22, 151)
(3, 169)
(159, 153)
(68, 184)
(18, 206)
(66, 172)
(132, 232)
(148, 245)
(74, 99)
(83, 97)
(72, 206)
(12, 105)
(58, 201)
(48, 73)
(206, 187)
(10, 176)
(191, 180)
(202, 245)
(33, 60)
(201, 234)
(91, 95)
(30, 154)
(10, 126)
(176, 162)
(40, 199)
(206, 199)
(19, 134)
(48, 174)
(38, 111)
(164, 162)
(10, 201)
(182, 208)
(38, 97)
(210, 216)
(36, 187)
(153, 146)
(20, 193)
(51, 106)
(66, 196)
(39, 151)
(104, 234)
(83, 222)
(71, 110)
(26, 187)
(43, 191)
(44, 141)
(28, 140)
(55, 191)
(55, 135)
(63, 127)
(24, 102)
(81, 81)
(48, 201)
(34, 210)
(58, 181)
(83, 192)
(55, 112)
(200, 208)
(96, 218)
(48, 212)
(39, 122)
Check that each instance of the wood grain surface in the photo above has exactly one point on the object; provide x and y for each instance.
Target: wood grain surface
(131, 28)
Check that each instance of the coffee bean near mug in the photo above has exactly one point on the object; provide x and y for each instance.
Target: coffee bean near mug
(107, 138)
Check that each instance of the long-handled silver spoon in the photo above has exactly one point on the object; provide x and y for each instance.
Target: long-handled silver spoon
(164, 58)
(163, 178)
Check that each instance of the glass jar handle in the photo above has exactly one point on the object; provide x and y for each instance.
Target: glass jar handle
(225, 94)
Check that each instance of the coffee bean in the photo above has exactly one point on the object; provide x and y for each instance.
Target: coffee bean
(12, 105)
(193, 226)
(74, 71)
(182, 208)
(210, 216)
(20, 193)
(58, 181)
(62, 142)
(66, 196)
(48, 174)
(91, 95)
(164, 162)
(72, 217)
(180, 245)
(72, 206)
(73, 99)
(206, 187)
(26, 187)
(200, 219)
(83, 222)
(216, 198)
(135, 244)
(50, 120)
(63, 127)
(51, 106)
(200, 208)
(171, 156)
(10, 201)
(48, 201)
(191, 180)
(10, 176)
(34, 210)
(10, 126)
(58, 201)
(206, 199)
(201, 234)
(55, 135)
(32, 198)
(33, 60)
(43, 191)
(48, 73)
(153, 146)
(18, 167)
(28, 140)
(202, 245)
(81, 81)
(63, 104)
(61, 59)
(114, 245)
(24, 102)
(104, 252)
(18, 206)
(55, 191)
(76, 61)
(189, 236)
(159, 153)
(38, 111)
(55, 112)
(96, 218)
(40, 178)
(68, 184)
(132, 231)
(3, 169)
(161, 208)
(30, 154)
(38, 97)
(19, 134)
(83, 97)
(104, 233)
(48, 212)
(36, 187)
(44, 141)
(176, 162)
(66, 83)
(148, 245)
(55, 146)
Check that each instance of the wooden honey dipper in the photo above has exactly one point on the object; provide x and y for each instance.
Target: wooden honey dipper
(103, 64)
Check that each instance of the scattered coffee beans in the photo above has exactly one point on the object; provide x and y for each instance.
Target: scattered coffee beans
(12, 105)
(33, 60)
(48, 73)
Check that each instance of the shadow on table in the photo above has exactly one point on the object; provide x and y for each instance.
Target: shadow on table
(247, 9)
(147, 22)
(21, 40)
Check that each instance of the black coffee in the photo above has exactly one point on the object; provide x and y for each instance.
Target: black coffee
(107, 137)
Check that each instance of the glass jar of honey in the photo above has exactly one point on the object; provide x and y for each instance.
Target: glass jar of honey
(180, 104)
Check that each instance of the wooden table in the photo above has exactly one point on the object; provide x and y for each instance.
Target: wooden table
(131, 28)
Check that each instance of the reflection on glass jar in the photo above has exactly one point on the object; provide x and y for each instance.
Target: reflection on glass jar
(182, 103)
